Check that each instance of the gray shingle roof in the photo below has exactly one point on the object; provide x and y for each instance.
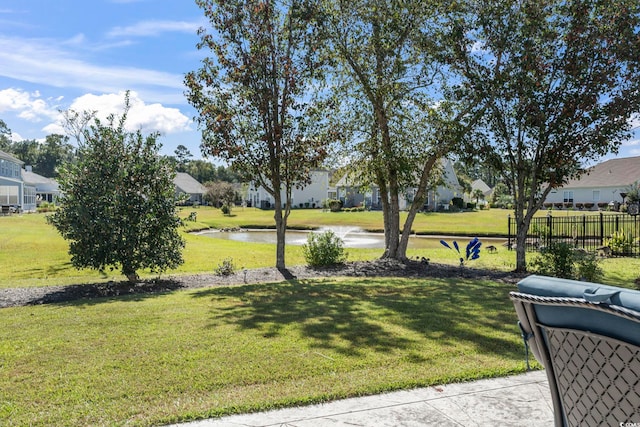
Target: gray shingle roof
(610, 173)
(33, 178)
(7, 156)
(188, 184)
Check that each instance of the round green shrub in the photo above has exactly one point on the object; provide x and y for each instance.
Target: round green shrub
(324, 249)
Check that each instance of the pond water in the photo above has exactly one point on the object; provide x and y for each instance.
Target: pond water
(351, 236)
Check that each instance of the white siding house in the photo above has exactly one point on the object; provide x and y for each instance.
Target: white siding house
(311, 195)
(479, 184)
(46, 189)
(600, 185)
(351, 193)
(14, 192)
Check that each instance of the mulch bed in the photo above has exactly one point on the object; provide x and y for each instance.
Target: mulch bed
(379, 268)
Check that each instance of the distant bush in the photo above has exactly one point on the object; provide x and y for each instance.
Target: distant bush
(562, 260)
(458, 202)
(46, 207)
(334, 205)
(620, 242)
(226, 268)
(324, 249)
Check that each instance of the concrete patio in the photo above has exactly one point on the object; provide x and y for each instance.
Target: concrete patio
(520, 400)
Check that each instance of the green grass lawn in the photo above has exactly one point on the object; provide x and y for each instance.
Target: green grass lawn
(153, 359)
(32, 253)
(485, 222)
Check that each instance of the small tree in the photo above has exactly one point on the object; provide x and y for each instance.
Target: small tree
(478, 195)
(633, 193)
(117, 205)
(254, 96)
(220, 194)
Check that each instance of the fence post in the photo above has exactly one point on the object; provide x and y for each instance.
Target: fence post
(584, 230)
(601, 229)
(549, 237)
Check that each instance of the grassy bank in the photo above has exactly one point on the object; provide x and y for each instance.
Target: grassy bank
(148, 360)
(32, 253)
(485, 223)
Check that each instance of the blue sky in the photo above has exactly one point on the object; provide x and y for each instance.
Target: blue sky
(83, 54)
(61, 54)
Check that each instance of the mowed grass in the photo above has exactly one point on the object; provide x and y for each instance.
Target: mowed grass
(177, 356)
(486, 222)
(33, 254)
(150, 360)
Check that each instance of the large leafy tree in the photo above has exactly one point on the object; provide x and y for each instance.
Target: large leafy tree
(183, 157)
(557, 82)
(53, 153)
(253, 95)
(117, 206)
(45, 157)
(396, 124)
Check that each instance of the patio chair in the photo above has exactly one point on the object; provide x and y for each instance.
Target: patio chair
(587, 337)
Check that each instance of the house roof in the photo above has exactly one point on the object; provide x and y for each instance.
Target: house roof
(32, 178)
(188, 184)
(7, 156)
(611, 173)
(479, 184)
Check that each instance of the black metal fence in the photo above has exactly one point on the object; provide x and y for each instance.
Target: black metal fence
(611, 234)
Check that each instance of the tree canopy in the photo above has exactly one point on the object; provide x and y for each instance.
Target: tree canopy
(252, 96)
(385, 81)
(556, 83)
(117, 205)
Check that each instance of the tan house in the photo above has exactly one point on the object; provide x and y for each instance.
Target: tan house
(599, 186)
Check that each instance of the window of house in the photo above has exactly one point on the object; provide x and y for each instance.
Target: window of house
(596, 195)
(29, 195)
(568, 196)
(8, 195)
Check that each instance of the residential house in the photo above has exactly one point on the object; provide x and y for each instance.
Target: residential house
(599, 186)
(351, 193)
(14, 193)
(186, 184)
(47, 189)
(479, 184)
(311, 195)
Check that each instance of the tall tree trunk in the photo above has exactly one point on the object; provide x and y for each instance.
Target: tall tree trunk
(521, 249)
(418, 202)
(281, 230)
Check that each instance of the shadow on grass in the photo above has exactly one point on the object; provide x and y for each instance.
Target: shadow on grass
(99, 293)
(348, 317)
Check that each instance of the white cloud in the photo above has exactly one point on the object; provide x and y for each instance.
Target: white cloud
(27, 106)
(634, 121)
(39, 61)
(155, 28)
(146, 117)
